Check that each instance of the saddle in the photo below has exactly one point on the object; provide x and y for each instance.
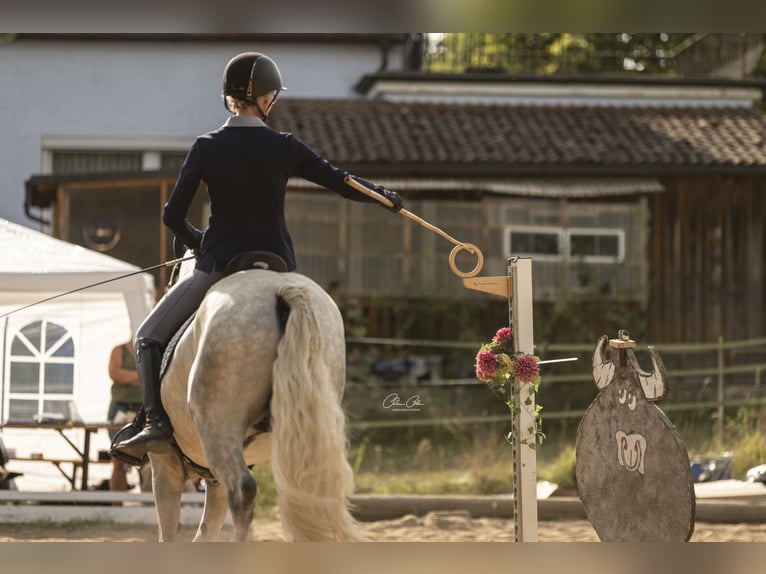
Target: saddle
(242, 262)
(255, 260)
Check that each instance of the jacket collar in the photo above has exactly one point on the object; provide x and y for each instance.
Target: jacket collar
(244, 122)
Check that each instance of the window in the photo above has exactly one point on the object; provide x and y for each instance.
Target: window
(538, 242)
(69, 162)
(597, 246)
(88, 153)
(41, 373)
(557, 244)
(97, 161)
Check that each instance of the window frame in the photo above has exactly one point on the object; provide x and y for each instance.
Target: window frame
(541, 229)
(41, 357)
(151, 148)
(597, 231)
(565, 242)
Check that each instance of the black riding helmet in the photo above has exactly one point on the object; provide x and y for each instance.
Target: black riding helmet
(250, 75)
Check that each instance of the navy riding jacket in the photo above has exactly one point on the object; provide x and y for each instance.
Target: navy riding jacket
(245, 165)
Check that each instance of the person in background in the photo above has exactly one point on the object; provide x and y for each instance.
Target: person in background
(125, 402)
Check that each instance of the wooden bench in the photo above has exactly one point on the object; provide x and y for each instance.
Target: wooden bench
(82, 450)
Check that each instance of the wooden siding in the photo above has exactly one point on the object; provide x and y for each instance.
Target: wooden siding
(369, 252)
(707, 259)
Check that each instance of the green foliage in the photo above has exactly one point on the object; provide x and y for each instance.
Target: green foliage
(562, 470)
(266, 497)
(477, 460)
(656, 53)
(551, 53)
(743, 437)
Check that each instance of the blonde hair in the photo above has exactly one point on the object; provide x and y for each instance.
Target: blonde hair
(235, 104)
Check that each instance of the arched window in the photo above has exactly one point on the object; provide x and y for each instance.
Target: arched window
(41, 373)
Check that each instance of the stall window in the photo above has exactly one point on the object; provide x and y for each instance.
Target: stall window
(41, 373)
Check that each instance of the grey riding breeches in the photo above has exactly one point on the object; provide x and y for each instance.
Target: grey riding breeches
(176, 306)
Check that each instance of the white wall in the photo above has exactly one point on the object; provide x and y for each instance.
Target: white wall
(141, 89)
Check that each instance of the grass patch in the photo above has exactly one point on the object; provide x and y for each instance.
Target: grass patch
(478, 461)
(743, 436)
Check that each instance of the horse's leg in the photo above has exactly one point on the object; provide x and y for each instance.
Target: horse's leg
(213, 514)
(168, 478)
(217, 379)
(224, 454)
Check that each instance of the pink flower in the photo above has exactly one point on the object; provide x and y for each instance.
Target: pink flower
(526, 369)
(486, 366)
(503, 336)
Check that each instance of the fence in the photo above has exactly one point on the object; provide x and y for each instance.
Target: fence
(705, 377)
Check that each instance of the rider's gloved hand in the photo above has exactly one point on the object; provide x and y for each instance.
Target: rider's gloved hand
(391, 196)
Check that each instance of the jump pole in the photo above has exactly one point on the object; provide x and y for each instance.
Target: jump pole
(517, 288)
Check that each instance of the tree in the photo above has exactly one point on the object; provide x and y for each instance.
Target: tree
(596, 53)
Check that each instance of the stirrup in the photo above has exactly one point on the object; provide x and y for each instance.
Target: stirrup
(125, 433)
(156, 439)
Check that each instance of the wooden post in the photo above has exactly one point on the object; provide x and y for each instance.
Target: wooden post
(524, 429)
(720, 392)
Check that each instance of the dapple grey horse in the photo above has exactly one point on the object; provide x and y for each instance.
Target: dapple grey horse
(244, 386)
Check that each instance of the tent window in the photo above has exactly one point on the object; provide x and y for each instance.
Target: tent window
(41, 372)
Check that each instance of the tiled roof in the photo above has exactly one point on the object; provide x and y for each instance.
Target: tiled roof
(512, 136)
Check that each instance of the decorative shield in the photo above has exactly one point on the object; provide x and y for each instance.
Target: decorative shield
(633, 471)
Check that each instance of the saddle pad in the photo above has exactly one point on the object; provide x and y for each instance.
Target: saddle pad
(167, 356)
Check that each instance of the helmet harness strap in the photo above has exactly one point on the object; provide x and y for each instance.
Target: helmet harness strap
(249, 94)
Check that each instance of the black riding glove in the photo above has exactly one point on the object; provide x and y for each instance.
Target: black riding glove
(391, 196)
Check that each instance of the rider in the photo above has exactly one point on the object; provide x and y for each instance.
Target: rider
(245, 166)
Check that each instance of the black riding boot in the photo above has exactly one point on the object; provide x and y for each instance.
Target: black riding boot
(157, 434)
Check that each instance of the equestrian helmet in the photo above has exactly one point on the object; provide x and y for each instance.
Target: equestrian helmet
(250, 75)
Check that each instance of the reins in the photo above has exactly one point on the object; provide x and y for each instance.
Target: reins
(89, 286)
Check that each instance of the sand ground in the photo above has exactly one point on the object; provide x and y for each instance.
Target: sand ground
(450, 526)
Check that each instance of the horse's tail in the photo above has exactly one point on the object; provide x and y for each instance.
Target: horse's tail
(309, 445)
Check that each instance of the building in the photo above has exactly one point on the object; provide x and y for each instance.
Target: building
(641, 191)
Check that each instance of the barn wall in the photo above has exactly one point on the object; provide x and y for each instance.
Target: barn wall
(707, 259)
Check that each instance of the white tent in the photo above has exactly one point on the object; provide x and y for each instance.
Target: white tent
(54, 356)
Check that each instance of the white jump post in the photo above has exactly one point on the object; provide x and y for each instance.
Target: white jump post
(517, 287)
(524, 424)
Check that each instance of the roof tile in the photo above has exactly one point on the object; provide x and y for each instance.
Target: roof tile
(433, 134)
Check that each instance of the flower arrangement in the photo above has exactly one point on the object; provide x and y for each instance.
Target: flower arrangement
(499, 367)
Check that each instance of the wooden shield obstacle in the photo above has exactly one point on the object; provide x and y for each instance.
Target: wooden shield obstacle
(633, 471)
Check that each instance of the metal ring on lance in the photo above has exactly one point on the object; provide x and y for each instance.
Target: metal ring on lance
(471, 248)
(459, 246)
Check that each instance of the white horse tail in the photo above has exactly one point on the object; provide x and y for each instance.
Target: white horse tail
(309, 445)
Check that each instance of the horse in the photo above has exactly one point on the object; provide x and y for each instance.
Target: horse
(259, 375)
